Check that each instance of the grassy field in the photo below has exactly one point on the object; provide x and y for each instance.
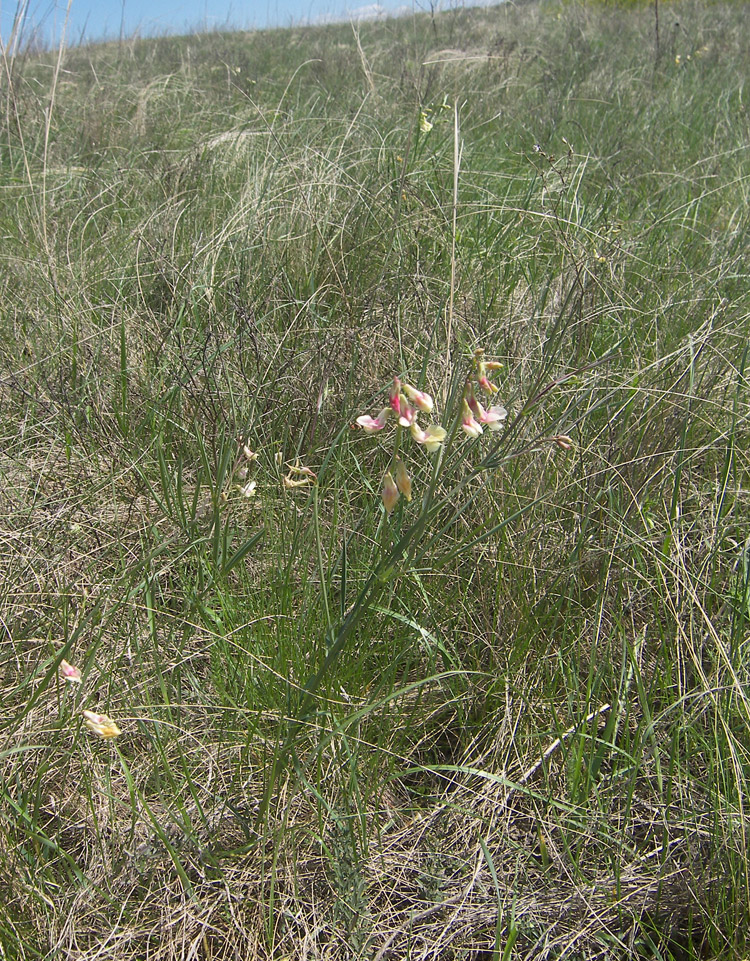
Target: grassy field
(508, 719)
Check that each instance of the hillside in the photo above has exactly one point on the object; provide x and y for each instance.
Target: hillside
(369, 673)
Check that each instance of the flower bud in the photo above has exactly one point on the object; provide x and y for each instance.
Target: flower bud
(389, 493)
(395, 396)
(403, 480)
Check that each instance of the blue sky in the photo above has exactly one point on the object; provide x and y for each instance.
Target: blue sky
(95, 19)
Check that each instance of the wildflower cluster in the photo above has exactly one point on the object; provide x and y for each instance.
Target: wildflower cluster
(429, 116)
(296, 476)
(404, 405)
(240, 476)
(474, 417)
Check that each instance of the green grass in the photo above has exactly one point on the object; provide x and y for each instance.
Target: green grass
(510, 720)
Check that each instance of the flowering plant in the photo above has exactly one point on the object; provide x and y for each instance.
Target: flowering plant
(405, 403)
(474, 418)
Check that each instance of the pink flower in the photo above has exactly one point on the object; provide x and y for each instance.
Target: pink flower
(492, 418)
(418, 398)
(430, 438)
(389, 493)
(373, 424)
(408, 415)
(469, 425)
(101, 724)
(403, 481)
(70, 673)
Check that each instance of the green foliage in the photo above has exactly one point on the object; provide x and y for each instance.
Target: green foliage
(508, 718)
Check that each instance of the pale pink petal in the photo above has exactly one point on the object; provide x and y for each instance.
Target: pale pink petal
(70, 673)
(494, 417)
(418, 398)
(469, 425)
(408, 413)
(373, 424)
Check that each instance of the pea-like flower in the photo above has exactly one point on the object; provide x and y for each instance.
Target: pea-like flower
(408, 415)
(418, 398)
(492, 418)
(70, 673)
(495, 416)
(101, 724)
(469, 424)
(373, 424)
(430, 438)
